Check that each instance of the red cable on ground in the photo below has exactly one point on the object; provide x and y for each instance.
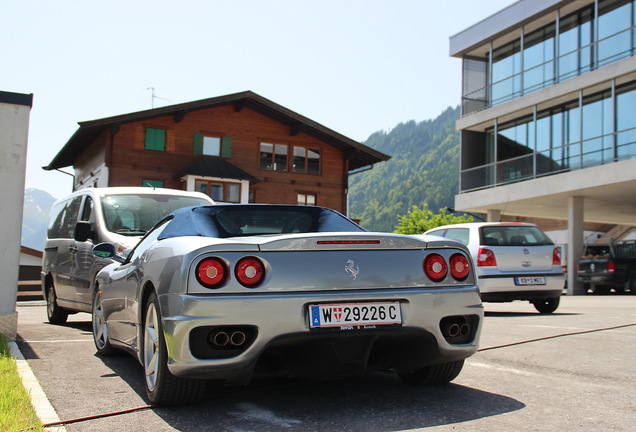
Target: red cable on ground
(93, 417)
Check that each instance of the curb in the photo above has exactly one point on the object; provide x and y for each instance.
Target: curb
(43, 408)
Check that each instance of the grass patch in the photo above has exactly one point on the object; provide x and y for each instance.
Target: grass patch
(16, 411)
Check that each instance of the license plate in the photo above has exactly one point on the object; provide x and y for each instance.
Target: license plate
(530, 280)
(353, 316)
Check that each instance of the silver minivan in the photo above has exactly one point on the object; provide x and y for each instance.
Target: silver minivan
(513, 261)
(118, 215)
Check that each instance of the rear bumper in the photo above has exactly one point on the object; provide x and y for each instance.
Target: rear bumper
(279, 335)
(498, 288)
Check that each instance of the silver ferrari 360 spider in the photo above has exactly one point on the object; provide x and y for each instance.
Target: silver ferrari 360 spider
(229, 292)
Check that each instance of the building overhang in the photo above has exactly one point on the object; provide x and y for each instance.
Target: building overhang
(609, 193)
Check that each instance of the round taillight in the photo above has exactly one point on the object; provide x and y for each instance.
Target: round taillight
(459, 266)
(211, 272)
(435, 267)
(249, 271)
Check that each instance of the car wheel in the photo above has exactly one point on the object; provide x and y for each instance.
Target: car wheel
(632, 284)
(434, 374)
(162, 387)
(546, 306)
(54, 313)
(100, 329)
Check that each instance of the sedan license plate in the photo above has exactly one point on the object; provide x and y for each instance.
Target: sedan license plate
(354, 316)
(530, 280)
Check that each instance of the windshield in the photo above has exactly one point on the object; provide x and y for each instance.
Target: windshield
(135, 214)
(511, 235)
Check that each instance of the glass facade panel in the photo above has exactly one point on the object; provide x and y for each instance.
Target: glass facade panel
(626, 122)
(538, 59)
(614, 35)
(506, 69)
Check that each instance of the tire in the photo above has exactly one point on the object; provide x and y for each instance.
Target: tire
(434, 374)
(54, 313)
(162, 387)
(546, 306)
(100, 328)
(632, 283)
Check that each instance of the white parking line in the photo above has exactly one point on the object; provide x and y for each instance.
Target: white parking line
(43, 408)
(503, 369)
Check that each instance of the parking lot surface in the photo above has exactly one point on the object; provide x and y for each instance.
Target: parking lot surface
(571, 370)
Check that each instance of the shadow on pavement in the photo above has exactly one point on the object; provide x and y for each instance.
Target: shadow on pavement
(371, 402)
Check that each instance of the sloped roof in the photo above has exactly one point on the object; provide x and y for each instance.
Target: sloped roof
(216, 167)
(360, 155)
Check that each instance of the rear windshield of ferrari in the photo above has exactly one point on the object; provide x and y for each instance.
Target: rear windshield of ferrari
(224, 221)
(513, 235)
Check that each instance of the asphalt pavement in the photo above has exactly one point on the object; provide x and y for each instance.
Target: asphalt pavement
(571, 370)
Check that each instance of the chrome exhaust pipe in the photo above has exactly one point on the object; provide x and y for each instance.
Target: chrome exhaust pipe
(238, 338)
(451, 330)
(221, 339)
(464, 329)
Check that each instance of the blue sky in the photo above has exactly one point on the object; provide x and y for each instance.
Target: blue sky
(355, 66)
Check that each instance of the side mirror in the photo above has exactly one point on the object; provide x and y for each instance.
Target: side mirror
(83, 231)
(107, 250)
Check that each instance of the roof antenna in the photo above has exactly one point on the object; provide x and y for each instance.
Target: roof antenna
(153, 97)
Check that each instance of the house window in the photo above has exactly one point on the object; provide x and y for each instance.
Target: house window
(274, 157)
(155, 139)
(307, 199)
(152, 183)
(306, 160)
(212, 145)
(219, 191)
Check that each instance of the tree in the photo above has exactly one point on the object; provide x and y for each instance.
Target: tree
(422, 219)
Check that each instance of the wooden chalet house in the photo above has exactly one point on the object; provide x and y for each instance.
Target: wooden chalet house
(236, 148)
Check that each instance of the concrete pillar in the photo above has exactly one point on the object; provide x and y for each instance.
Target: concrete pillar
(493, 215)
(575, 243)
(15, 109)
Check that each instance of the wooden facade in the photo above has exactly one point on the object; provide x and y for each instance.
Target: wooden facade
(157, 147)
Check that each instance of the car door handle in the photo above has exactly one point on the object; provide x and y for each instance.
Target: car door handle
(72, 248)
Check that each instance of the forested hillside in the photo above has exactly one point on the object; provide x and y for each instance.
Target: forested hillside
(423, 169)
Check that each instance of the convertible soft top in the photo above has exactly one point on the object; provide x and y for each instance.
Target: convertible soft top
(223, 221)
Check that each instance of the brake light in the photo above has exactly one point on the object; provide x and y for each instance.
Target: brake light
(249, 271)
(611, 266)
(486, 258)
(556, 256)
(459, 266)
(435, 267)
(211, 272)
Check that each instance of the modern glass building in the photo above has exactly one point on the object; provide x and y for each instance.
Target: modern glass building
(548, 126)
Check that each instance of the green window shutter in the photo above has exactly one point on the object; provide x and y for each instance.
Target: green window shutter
(198, 143)
(155, 139)
(226, 147)
(152, 183)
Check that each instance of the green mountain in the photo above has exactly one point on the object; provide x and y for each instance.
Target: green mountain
(423, 169)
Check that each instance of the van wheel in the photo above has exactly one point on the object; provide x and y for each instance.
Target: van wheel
(54, 313)
(434, 374)
(546, 306)
(162, 387)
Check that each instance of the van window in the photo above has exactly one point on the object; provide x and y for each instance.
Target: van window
(64, 217)
(511, 235)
